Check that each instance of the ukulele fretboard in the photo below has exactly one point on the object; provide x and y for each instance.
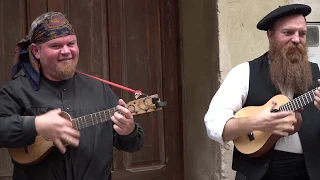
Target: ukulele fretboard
(93, 119)
(298, 102)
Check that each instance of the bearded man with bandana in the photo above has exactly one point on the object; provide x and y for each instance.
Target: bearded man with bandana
(284, 69)
(45, 82)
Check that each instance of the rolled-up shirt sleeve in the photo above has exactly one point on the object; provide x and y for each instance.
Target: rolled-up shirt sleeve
(229, 98)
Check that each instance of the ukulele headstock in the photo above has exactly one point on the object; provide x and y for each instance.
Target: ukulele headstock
(146, 104)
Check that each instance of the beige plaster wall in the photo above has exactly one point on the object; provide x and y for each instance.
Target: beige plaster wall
(199, 73)
(239, 38)
(240, 41)
(315, 4)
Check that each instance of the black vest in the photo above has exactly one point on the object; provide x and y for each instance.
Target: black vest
(261, 90)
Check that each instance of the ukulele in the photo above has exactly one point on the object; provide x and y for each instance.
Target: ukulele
(258, 143)
(43, 146)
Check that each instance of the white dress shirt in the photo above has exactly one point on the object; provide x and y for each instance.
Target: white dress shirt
(229, 99)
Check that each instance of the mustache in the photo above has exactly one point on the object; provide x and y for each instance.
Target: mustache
(291, 51)
(293, 48)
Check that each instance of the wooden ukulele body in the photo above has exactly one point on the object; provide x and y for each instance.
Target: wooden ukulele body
(37, 151)
(263, 141)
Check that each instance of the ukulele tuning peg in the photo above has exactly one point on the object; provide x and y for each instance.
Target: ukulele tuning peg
(139, 95)
(155, 100)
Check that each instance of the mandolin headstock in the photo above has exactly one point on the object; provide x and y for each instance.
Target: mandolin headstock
(146, 104)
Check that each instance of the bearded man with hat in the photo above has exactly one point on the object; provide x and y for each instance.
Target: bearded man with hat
(284, 69)
(45, 82)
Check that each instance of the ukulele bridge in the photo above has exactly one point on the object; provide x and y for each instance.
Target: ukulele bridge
(251, 136)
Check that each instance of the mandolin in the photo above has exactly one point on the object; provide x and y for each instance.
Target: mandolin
(42, 146)
(258, 143)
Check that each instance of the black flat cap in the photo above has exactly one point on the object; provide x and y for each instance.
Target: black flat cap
(267, 22)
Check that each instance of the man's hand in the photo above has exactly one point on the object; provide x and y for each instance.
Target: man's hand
(123, 119)
(317, 97)
(280, 123)
(296, 125)
(57, 129)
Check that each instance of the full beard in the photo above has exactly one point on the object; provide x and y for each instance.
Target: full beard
(290, 68)
(65, 70)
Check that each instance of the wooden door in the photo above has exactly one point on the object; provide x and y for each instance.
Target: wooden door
(133, 43)
(13, 27)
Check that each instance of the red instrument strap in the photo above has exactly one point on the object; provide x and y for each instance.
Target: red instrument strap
(136, 92)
